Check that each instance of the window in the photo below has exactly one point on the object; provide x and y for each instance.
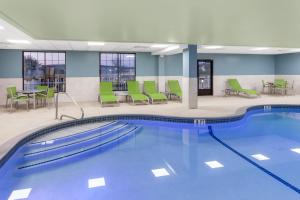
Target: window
(117, 68)
(44, 68)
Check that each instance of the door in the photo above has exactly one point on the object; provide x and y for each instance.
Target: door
(205, 77)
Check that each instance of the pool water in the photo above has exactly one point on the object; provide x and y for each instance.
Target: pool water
(255, 158)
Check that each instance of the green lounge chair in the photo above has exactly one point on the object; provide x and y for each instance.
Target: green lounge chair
(106, 94)
(174, 89)
(135, 94)
(46, 96)
(15, 98)
(151, 91)
(236, 88)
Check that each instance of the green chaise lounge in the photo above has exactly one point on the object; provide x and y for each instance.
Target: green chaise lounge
(236, 88)
(151, 91)
(174, 89)
(106, 94)
(135, 94)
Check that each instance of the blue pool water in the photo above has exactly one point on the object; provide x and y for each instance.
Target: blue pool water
(123, 154)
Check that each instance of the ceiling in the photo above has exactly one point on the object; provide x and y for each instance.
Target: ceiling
(8, 32)
(273, 23)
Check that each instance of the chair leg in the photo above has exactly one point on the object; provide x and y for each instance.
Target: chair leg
(6, 102)
(11, 105)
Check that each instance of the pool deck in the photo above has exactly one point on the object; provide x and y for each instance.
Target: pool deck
(18, 124)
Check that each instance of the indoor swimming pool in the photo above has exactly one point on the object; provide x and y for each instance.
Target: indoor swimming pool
(256, 157)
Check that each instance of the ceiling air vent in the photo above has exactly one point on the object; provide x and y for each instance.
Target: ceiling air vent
(140, 47)
(4, 43)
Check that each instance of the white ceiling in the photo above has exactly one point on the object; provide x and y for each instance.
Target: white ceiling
(10, 32)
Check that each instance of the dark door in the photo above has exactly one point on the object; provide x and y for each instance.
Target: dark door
(205, 77)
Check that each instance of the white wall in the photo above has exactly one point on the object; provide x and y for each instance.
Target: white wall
(246, 81)
(4, 83)
(86, 88)
(83, 88)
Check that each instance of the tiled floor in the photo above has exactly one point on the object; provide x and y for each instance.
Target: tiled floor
(15, 125)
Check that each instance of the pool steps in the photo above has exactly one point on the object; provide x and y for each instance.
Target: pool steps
(72, 146)
(76, 135)
(87, 144)
(56, 145)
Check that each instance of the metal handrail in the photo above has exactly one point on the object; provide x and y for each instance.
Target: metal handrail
(64, 115)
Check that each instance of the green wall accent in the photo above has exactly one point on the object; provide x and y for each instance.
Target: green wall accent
(146, 64)
(10, 63)
(82, 64)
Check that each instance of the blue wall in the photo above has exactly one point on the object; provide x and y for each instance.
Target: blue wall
(227, 64)
(86, 64)
(78, 64)
(10, 63)
(146, 64)
(287, 64)
(173, 65)
(241, 64)
(82, 64)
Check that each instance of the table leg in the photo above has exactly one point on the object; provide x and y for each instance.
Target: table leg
(34, 102)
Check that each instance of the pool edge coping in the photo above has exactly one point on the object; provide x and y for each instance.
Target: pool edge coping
(31, 134)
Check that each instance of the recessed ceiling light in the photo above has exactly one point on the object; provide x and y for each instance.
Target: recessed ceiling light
(213, 47)
(160, 172)
(20, 194)
(18, 41)
(214, 164)
(1, 27)
(130, 56)
(260, 49)
(260, 157)
(171, 48)
(295, 50)
(95, 43)
(296, 150)
(96, 182)
(159, 46)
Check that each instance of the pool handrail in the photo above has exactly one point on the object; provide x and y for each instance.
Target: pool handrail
(64, 115)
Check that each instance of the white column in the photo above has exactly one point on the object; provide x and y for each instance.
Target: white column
(161, 74)
(189, 80)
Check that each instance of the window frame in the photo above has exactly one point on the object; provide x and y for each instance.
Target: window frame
(44, 51)
(119, 60)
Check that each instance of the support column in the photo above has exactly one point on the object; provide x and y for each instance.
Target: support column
(161, 74)
(189, 79)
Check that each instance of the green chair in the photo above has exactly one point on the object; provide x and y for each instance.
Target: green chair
(151, 91)
(106, 95)
(266, 85)
(236, 88)
(43, 92)
(15, 98)
(47, 96)
(280, 86)
(134, 93)
(42, 88)
(174, 89)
